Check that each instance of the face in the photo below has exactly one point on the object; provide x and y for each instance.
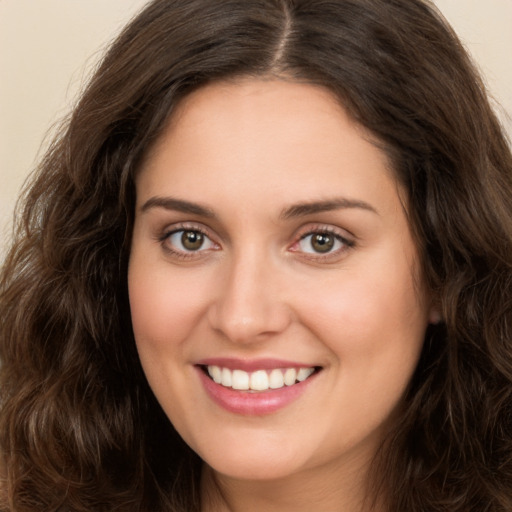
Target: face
(275, 293)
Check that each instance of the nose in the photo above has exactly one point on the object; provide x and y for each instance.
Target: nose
(249, 305)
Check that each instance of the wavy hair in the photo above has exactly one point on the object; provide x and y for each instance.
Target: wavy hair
(80, 429)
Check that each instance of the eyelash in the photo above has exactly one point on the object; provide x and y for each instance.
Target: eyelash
(311, 231)
(346, 243)
(184, 255)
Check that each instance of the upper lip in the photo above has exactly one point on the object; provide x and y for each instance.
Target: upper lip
(250, 365)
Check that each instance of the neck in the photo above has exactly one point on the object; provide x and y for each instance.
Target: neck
(327, 489)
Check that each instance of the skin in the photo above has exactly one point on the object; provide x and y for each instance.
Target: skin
(248, 150)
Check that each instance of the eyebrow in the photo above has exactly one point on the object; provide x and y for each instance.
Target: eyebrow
(179, 205)
(303, 209)
(293, 211)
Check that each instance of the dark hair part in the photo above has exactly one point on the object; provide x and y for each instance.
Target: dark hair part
(80, 429)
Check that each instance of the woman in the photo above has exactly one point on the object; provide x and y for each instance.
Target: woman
(266, 266)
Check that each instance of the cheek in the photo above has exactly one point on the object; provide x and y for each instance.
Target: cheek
(164, 308)
(374, 326)
(164, 312)
(371, 313)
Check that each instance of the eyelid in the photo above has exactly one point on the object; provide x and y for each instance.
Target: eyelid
(312, 228)
(342, 235)
(345, 237)
(186, 226)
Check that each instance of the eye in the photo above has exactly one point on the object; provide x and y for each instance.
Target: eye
(320, 243)
(188, 241)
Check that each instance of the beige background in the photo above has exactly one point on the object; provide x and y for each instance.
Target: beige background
(47, 48)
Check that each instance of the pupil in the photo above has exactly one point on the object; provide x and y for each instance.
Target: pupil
(192, 240)
(322, 242)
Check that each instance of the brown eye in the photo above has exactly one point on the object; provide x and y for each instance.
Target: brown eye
(192, 240)
(188, 241)
(322, 242)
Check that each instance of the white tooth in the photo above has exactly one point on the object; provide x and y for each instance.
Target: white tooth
(226, 378)
(276, 380)
(215, 373)
(304, 373)
(240, 380)
(290, 376)
(259, 380)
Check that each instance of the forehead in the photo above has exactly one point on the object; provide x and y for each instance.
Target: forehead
(255, 131)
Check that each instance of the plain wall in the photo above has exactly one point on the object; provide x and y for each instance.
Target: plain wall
(48, 47)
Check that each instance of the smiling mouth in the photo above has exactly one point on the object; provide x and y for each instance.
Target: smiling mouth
(259, 380)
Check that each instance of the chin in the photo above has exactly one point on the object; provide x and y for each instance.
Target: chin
(253, 470)
(257, 465)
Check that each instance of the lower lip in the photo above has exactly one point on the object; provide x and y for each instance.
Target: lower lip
(253, 403)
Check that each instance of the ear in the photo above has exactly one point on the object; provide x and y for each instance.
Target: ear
(434, 316)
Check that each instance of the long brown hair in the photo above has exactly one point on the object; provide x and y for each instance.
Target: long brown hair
(79, 427)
